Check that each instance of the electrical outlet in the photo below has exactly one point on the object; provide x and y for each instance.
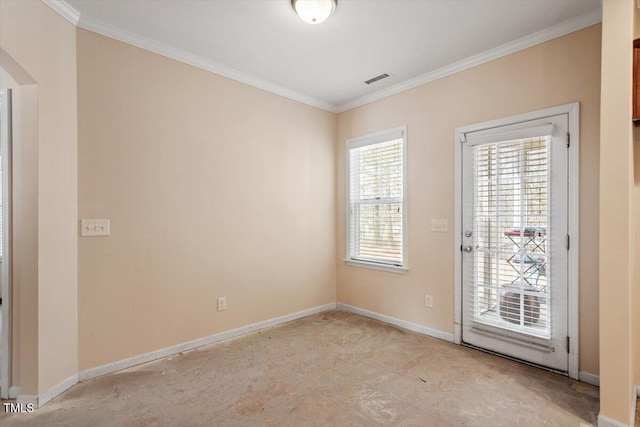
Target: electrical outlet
(222, 303)
(428, 301)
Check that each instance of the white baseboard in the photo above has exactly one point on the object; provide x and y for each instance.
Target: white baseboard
(57, 389)
(26, 399)
(608, 422)
(588, 378)
(14, 391)
(397, 322)
(212, 339)
(38, 401)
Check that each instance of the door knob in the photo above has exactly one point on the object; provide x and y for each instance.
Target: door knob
(467, 248)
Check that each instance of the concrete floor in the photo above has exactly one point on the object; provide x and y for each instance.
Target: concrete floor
(330, 369)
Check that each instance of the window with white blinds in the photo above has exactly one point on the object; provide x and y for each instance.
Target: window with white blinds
(376, 195)
(513, 234)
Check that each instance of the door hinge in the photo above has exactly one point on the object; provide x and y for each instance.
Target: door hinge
(568, 242)
(568, 344)
(568, 140)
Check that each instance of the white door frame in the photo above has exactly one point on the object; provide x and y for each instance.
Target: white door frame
(573, 110)
(7, 256)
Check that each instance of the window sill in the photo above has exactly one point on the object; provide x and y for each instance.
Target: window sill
(376, 266)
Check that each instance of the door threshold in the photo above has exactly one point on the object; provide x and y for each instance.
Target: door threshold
(515, 359)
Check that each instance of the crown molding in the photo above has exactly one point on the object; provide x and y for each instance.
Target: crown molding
(180, 55)
(525, 42)
(64, 9)
(134, 39)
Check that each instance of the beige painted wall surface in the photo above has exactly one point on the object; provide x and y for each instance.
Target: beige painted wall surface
(44, 44)
(214, 188)
(617, 216)
(557, 72)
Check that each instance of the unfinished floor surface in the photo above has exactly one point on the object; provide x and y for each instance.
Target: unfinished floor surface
(329, 369)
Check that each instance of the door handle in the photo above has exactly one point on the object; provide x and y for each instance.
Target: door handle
(467, 248)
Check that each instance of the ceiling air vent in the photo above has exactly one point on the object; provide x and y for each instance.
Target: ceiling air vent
(377, 78)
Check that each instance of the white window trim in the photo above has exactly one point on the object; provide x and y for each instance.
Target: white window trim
(370, 139)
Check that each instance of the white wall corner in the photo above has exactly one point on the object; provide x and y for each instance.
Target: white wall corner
(64, 9)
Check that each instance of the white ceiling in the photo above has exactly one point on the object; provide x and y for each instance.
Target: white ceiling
(263, 42)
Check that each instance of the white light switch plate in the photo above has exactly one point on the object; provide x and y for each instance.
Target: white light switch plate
(94, 227)
(439, 225)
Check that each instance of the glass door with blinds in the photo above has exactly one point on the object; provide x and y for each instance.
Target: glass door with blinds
(514, 225)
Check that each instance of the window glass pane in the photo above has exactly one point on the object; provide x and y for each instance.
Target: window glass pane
(511, 227)
(376, 202)
(380, 232)
(379, 167)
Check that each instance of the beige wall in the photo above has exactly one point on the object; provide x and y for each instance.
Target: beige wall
(214, 188)
(44, 45)
(557, 72)
(617, 214)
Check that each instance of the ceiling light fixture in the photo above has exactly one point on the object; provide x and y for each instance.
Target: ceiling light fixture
(314, 11)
